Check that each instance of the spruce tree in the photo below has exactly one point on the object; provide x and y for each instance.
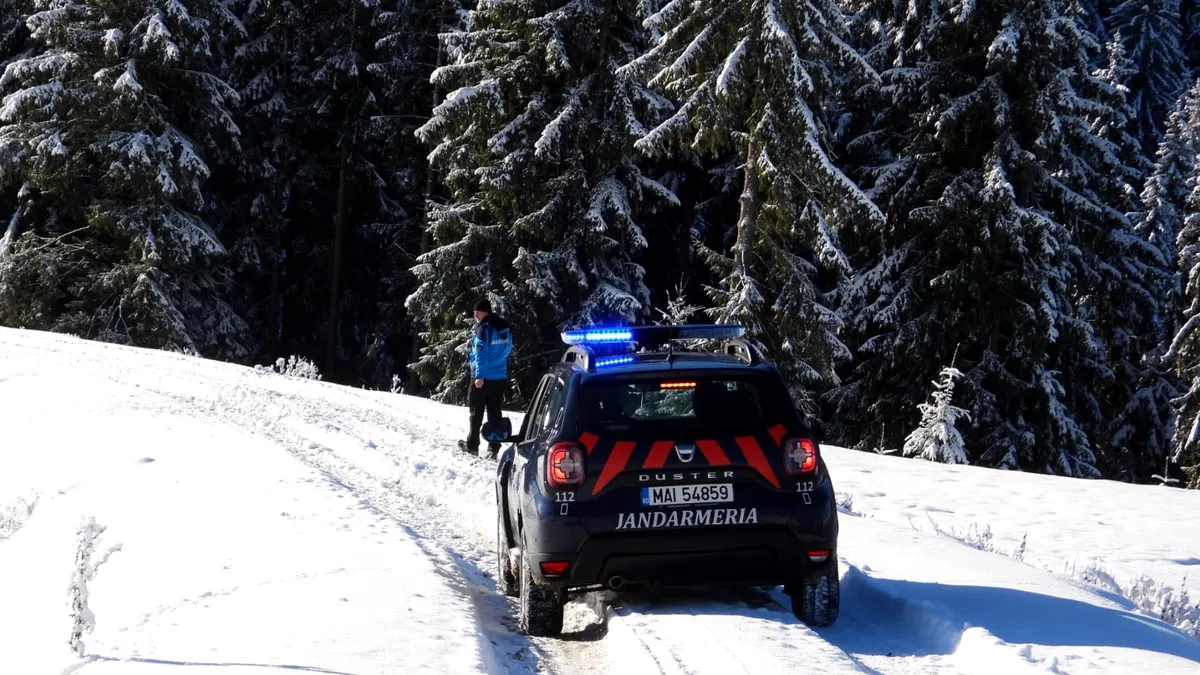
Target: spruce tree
(107, 127)
(326, 195)
(13, 33)
(1160, 216)
(937, 438)
(1118, 397)
(1153, 34)
(985, 158)
(1185, 348)
(758, 79)
(265, 174)
(14, 39)
(546, 200)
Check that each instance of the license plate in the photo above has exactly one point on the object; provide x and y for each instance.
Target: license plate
(674, 495)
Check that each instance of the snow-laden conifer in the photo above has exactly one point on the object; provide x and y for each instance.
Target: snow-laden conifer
(985, 155)
(938, 438)
(533, 141)
(1184, 351)
(324, 208)
(1153, 35)
(107, 127)
(758, 79)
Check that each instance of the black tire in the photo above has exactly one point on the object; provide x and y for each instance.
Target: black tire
(541, 614)
(506, 579)
(817, 602)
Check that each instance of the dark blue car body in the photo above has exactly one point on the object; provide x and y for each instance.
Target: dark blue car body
(604, 439)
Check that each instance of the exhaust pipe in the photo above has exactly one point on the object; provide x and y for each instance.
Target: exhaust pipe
(616, 581)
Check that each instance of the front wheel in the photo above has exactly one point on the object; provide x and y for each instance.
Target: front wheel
(541, 613)
(817, 602)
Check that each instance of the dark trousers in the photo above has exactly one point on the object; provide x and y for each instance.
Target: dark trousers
(488, 397)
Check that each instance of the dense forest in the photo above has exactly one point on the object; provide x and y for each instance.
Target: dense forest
(993, 206)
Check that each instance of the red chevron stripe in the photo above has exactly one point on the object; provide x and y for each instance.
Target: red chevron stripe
(777, 433)
(615, 464)
(588, 440)
(658, 454)
(754, 455)
(713, 453)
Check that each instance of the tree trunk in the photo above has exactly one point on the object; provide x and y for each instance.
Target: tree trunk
(13, 230)
(278, 302)
(750, 204)
(10, 235)
(335, 287)
(275, 316)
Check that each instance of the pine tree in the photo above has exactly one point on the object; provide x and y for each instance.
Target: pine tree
(533, 141)
(107, 127)
(983, 158)
(13, 33)
(1126, 401)
(1092, 15)
(1160, 217)
(938, 439)
(331, 174)
(1185, 348)
(1189, 11)
(1158, 220)
(758, 79)
(14, 38)
(263, 176)
(1153, 33)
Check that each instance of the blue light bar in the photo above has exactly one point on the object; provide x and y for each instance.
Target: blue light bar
(577, 337)
(614, 361)
(654, 335)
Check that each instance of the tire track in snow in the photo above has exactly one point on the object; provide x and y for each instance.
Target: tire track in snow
(727, 632)
(456, 559)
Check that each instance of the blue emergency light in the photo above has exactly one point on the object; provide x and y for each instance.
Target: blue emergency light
(613, 361)
(597, 336)
(653, 335)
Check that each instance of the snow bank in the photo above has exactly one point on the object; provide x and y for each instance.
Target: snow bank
(232, 553)
(1067, 523)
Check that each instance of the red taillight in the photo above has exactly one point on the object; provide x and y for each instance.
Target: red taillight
(817, 556)
(555, 568)
(564, 466)
(800, 455)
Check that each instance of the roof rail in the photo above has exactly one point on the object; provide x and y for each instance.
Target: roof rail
(582, 355)
(743, 350)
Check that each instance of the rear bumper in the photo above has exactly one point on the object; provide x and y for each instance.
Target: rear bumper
(748, 555)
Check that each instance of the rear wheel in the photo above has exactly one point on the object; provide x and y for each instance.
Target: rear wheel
(506, 579)
(541, 613)
(816, 602)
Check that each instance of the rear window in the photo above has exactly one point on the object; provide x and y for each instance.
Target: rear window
(700, 404)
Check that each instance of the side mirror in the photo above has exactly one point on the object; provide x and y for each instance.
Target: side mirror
(499, 431)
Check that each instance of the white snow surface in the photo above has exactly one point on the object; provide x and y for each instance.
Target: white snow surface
(269, 523)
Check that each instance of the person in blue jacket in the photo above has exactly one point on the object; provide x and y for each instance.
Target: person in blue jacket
(491, 343)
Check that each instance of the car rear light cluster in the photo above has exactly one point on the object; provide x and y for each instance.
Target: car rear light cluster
(555, 568)
(800, 455)
(564, 466)
(819, 556)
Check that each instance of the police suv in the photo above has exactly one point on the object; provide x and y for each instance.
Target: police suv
(643, 462)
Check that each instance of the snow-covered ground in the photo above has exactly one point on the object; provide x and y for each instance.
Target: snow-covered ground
(267, 523)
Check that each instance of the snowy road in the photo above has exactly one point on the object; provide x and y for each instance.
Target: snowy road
(912, 602)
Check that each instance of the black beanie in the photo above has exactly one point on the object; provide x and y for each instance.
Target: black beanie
(483, 305)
